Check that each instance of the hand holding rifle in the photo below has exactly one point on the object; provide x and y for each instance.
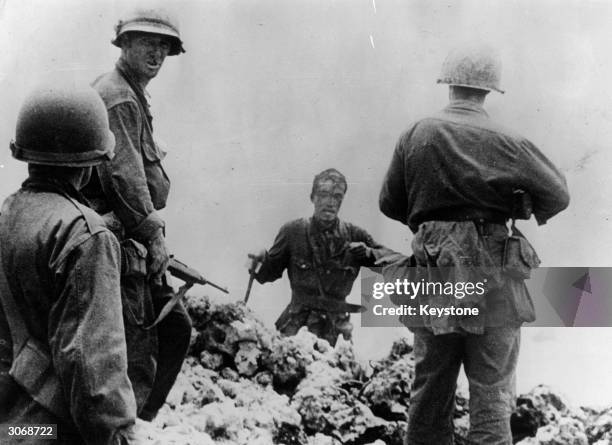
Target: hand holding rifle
(254, 264)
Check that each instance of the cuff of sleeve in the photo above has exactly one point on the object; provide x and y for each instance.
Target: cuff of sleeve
(541, 219)
(148, 228)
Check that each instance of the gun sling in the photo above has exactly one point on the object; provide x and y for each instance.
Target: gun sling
(170, 304)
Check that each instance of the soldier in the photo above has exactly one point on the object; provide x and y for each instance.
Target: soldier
(128, 191)
(452, 180)
(63, 336)
(322, 256)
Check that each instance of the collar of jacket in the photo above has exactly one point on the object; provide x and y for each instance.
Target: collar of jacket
(465, 107)
(317, 227)
(54, 185)
(126, 73)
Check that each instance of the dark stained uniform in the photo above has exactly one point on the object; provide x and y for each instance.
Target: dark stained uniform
(62, 267)
(321, 272)
(451, 181)
(458, 165)
(134, 185)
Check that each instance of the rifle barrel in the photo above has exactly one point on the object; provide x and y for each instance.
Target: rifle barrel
(216, 286)
(189, 275)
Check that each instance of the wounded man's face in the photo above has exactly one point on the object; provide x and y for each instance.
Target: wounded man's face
(327, 200)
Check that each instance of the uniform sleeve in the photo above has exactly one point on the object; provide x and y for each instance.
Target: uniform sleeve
(123, 178)
(378, 250)
(543, 181)
(393, 199)
(276, 259)
(87, 340)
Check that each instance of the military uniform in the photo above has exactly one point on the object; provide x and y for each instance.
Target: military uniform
(133, 186)
(62, 267)
(321, 272)
(451, 180)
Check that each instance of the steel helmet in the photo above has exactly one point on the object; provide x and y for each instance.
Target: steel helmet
(63, 125)
(152, 21)
(476, 66)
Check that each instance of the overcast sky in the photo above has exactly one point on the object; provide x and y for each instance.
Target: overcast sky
(271, 92)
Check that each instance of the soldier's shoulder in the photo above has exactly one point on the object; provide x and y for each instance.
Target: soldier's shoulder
(431, 124)
(414, 128)
(503, 130)
(113, 89)
(347, 225)
(295, 225)
(353, 229)
(92, 222)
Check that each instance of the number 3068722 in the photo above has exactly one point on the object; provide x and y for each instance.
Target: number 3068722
(47, 431)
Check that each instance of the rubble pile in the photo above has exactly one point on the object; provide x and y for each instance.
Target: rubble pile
(244, 384)
(544, 417)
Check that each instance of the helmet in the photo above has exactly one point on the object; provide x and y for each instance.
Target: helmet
(152, 21)
(474, 66)
(63, 125)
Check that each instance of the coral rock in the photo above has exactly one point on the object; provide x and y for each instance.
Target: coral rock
(246, 358)
(211, 360)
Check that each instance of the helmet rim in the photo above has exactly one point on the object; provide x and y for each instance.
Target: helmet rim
(150, 23)
(475, 66)
(65, 125)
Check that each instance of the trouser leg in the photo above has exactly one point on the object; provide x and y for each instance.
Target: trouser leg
(174, 334)
(325, 325)
(490, 364)
(329, 325)
(141, 344)
(291, 320)
(432, 401)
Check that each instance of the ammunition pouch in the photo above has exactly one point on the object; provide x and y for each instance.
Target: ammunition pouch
(33, 370)
(133, 253)
(519, 257)
(133, 259)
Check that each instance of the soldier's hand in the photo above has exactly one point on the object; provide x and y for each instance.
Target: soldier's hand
(131, 435)
(158, 257)
(391, 258)
(360, 251)
(255, 260)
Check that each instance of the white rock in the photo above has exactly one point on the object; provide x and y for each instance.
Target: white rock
(321, 439)
(182, 389)
(246, 358)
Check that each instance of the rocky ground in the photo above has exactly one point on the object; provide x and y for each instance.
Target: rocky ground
(243, 384)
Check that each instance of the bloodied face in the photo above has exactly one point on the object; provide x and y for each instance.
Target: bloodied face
(145, 53)
(327, 199)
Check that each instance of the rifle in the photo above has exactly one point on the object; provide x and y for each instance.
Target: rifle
(252, 272)
(190, 276)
